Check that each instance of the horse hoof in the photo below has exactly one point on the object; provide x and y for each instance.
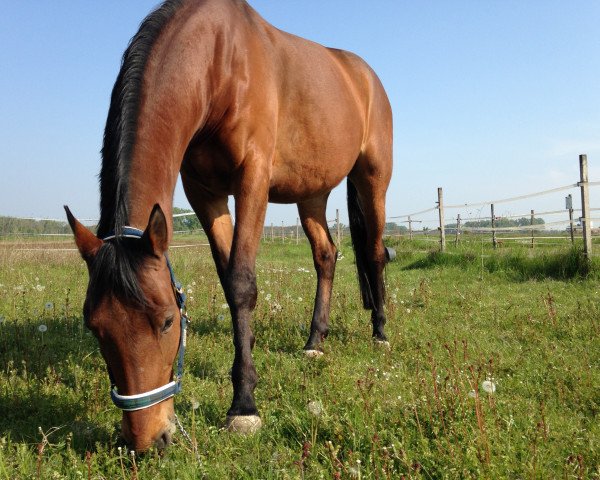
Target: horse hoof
(244, 424)
(381, 343)
(313, 353)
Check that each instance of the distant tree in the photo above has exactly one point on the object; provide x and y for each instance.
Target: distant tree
(394, 227)
(189, 222)
(23, 226)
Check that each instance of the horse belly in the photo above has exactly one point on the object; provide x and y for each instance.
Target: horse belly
(300, 178)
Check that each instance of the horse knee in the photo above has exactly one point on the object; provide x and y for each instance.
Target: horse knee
(325, 260)
(241, 290)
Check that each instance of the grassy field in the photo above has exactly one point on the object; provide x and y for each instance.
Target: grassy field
(493, 371)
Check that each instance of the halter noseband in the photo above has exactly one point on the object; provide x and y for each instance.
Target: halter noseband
(130, 403)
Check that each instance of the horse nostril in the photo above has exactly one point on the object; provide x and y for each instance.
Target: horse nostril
(163, 441)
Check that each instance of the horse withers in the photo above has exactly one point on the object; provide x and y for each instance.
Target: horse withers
(209, 89)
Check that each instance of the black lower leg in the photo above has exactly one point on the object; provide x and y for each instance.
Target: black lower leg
(241, 295)
(319, 326)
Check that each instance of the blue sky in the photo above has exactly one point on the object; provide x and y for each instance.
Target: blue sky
(491, 99)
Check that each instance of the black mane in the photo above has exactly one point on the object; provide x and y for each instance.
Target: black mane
(113, 271)
(121, 124)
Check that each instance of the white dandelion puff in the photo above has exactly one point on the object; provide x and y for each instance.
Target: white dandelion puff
(43, 328)
(49, 306)
(488, 386)
(315, 407)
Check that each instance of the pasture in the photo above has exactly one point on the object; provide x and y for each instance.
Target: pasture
(493, 370)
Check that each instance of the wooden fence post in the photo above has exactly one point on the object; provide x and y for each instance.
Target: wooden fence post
(409, 228)
(569, 207)
(494, 241)
(339, 230)
(457, 230)
(585, 206)
(297, 230)
(531, 223)
(441, 215)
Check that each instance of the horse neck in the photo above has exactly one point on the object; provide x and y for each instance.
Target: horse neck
(174, 107)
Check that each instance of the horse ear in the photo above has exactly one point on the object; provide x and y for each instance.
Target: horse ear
(87, 243)
(156, 234)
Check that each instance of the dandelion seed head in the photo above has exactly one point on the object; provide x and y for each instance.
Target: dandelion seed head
(43, 328)
(48, 305)
(315, 407)
(488, 386)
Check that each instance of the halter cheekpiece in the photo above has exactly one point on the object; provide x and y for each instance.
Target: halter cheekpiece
(139, 401)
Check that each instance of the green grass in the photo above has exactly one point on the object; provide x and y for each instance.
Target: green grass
(526, 319)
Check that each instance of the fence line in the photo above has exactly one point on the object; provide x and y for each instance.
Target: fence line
(585, 219)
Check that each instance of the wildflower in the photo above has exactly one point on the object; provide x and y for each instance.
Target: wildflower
(472, 394)
(488, 386)
(408, 310)
(220, 317)
(268, 297)
(315, 407)
(195, 404)
(299, 299)
(275, 307)
(224, 306)
(42, 328)
(193, 284)
(49, 306)
(189, 290)
(40, 288)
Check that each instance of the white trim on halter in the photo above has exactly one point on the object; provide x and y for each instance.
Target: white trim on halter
(157, 391)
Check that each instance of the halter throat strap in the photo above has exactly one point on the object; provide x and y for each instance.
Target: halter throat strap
(139, 401)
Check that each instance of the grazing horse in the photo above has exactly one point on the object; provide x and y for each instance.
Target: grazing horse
(209, 89)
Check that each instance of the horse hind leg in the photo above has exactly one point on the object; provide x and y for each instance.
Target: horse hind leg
(314, 223)
(366, 207)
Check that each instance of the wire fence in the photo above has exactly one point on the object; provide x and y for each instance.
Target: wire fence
(569, 224)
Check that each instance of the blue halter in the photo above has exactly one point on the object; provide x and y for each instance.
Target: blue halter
(130, 403)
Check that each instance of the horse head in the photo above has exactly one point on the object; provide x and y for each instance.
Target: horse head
(136, 313)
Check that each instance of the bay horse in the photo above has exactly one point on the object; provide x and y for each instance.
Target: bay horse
(209, 89)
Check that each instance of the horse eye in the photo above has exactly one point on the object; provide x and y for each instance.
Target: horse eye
(168, 323)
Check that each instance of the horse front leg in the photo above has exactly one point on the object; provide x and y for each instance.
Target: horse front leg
(240, 289)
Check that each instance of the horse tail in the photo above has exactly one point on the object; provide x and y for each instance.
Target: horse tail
(358, 232)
